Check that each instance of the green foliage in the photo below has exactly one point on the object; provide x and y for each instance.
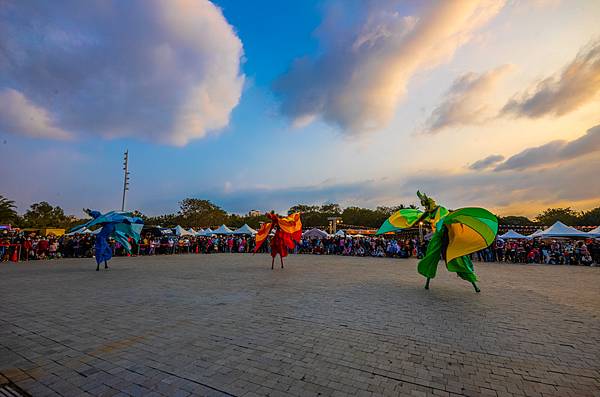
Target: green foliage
(590, 218)
(196, 212)
(566, 215)
(515, 220)
(8, 212)
(43, 214)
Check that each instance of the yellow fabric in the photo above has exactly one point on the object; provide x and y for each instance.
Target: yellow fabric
(463, 241)
(291, 224)
(399, 220)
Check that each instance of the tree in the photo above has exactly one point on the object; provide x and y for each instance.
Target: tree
(590, 218)
(8, 211)
(566, 215)
(196, 212)
(43, 214)
(515, 220)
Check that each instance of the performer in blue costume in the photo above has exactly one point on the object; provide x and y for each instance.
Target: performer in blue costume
(118, 225)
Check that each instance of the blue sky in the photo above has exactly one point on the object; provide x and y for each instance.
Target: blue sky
(261, 105)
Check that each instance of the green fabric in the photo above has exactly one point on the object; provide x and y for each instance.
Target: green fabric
(428, 265)
(401, 219)
(387, 227)
(463, 266)
(480, 220)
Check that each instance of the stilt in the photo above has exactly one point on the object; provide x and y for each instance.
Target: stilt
(427, 283)
(105, 265)
(97, 267)
(281, 258)
(476, 287)
(272, 262)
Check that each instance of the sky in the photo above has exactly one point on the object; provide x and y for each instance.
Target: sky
(267, 104)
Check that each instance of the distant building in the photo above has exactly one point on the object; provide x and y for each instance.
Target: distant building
(254, 213)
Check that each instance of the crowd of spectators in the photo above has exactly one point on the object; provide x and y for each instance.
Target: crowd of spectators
(32, 247)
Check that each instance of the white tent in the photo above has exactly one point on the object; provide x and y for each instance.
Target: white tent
(560, 230)
(179, 231)
(315, 233)
(191, 230)
(340, 233)
(513, 235)
(594, 232)
(535, 234)
(245, 230)
(83, 231)
(222, 230)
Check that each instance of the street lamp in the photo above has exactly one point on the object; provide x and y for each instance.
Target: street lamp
(333, 222)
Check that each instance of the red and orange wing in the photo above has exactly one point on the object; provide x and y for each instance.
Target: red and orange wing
(292, 225)
(262, 234)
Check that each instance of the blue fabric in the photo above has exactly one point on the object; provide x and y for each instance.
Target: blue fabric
(119, 225)
(103, 252)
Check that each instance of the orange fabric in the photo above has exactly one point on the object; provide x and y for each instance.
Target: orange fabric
(288, 230)
(262, 234)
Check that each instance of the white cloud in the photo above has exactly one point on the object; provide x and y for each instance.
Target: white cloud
(466, 102)
(554, 152)
(157, 70)
(576, 85)
(18, 115)
(363, 71)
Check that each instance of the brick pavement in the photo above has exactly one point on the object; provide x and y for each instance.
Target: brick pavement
(226, 325)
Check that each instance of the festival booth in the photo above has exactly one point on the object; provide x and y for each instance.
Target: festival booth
(315, 234)
(535, 234)
(45, 231)
(340, 233)
(192, 231)
(594, 232)
(84, 231)
(179, 231)
(562, 231)
(223, 230)
(245, 230)
(512, 235)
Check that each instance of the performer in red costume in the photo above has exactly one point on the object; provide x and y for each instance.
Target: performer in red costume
(287, 231)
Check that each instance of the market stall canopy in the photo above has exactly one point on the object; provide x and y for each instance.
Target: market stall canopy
(535, 234)
(560, 230)
(191, 230)
(340, 233)
(511, 234)
(222, 230)
(84, 231)
(245, 230)
(179, 231)
(594, 232)
(315, 233)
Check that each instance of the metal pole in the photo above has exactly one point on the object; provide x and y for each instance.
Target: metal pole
(125, 178)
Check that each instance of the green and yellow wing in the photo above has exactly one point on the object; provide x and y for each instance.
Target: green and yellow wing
(401, 219)
(469, 230)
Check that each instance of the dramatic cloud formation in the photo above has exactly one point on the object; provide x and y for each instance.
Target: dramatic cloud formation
(576, 85)
(554, 152)
(526, 192)
(466, 100)
(163, 71)
(486, 162)
(367, 62)
(18, 114)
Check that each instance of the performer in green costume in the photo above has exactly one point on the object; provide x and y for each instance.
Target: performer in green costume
(456, 234)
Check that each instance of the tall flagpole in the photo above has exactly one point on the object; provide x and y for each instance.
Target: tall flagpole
(125, 178)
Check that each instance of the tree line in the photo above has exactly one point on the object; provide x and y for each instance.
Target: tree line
(195, 212)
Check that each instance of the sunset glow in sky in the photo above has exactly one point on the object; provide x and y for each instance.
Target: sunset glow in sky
(266, 104)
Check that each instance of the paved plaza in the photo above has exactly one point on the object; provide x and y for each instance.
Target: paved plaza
(226, 325)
